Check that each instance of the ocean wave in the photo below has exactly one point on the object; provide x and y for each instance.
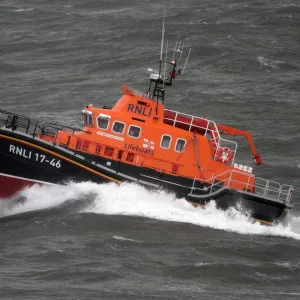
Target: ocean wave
(121, 238)
(134, 200)
(23, 9)
(264, 62)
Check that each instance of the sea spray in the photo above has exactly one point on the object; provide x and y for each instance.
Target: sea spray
(134, 200)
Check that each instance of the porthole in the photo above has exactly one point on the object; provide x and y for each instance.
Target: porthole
(180, 144)
(118, 127)
(134, 131)
(103, 122)
(165, 141)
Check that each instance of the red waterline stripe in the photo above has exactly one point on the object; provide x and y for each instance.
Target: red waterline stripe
(10, 185)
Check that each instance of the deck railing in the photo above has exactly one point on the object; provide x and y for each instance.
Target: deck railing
(24, 124)
(207, 128)
(261, 187)
(14, 121)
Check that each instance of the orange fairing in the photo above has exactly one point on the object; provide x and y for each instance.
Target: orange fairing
(227, 130)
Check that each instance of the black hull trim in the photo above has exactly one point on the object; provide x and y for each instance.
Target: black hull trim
(258, 208)
(34, 159)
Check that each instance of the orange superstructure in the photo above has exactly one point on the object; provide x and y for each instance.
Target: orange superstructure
(135, 131)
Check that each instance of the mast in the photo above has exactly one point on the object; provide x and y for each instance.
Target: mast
(157, 92)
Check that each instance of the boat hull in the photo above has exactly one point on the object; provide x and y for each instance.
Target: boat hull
(11, 185)
(25, 161)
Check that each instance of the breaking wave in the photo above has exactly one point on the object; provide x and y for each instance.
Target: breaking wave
(134, 200)
(121, 238)
(23, 9)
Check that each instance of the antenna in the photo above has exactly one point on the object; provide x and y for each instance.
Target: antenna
(158, 88)
(162, 35)
(175, 47)
(165, 65)
(181, 51)
(186, 60)
(159, 81)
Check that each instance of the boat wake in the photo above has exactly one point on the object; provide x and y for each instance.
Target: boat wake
(134, 200)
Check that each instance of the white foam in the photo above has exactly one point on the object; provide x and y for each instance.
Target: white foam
(121, 238)
(264, 62)
(134, 200)
(41, 197)
(23, 9)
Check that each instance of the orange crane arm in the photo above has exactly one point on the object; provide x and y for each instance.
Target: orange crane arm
(227, 130)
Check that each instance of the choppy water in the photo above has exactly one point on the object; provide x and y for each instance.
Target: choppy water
(87, 241)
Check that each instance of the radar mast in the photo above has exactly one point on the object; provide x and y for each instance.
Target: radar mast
(158, 79)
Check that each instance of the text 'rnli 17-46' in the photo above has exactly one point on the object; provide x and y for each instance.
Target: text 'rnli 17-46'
(32, 155)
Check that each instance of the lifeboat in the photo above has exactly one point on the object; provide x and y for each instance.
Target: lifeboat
(138, 139)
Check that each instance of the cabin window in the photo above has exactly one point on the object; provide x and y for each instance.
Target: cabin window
(85, 118)
(103, 122)
(165, 141)
(180, 144)
(118, 127)
(90, 119)
(134, 131)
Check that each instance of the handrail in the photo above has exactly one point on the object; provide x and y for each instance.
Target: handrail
(61, 127)
(191, 123)
(227, 130)
(269, 189)
(210, 130)
(13, 121)
(58, 127)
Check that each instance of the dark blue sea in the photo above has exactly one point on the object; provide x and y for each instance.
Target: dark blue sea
(89, 241)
